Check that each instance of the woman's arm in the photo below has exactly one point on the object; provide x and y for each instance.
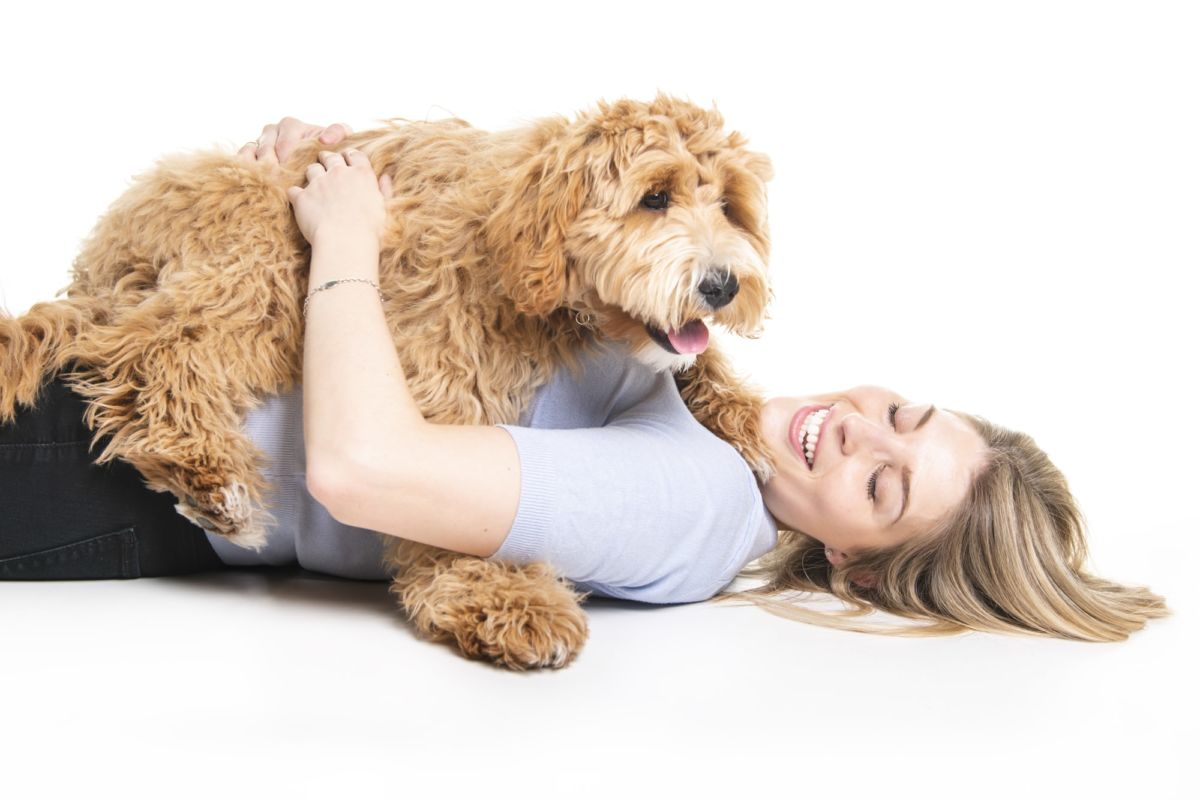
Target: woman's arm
(373, 460)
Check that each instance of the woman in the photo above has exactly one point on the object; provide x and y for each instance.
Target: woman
(922, 512)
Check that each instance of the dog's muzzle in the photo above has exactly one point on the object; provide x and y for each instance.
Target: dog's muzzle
(718, 290)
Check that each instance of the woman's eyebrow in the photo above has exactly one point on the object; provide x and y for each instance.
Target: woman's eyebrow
(906, 473)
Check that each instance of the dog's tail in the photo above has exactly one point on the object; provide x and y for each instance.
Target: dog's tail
(35, 345)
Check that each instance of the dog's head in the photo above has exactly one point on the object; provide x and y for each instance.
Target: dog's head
(646, 219)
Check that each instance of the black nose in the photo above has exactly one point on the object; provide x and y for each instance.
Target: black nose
(719, 289)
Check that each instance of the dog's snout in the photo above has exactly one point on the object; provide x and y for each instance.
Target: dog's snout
(719, 289)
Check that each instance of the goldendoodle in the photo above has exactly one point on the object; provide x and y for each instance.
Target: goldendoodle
(505, 253)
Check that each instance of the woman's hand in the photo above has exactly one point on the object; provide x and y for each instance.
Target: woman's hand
(343, 199)
(277, 141)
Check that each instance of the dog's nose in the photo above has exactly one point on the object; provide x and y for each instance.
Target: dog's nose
(719, 289)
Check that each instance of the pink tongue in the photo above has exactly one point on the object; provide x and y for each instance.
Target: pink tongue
(691, 338)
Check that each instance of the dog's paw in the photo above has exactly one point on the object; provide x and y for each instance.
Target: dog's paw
(751, 446)
(228, 512)
(762, 464)
(520, 618)
(534, 637)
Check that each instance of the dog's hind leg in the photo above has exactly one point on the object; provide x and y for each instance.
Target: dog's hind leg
(519, 616)
(167, 385)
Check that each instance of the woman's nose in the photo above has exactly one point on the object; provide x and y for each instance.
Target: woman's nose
(859, 432)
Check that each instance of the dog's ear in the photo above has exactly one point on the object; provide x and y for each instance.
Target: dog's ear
(746, 177)
(759, 164)
(526, 232)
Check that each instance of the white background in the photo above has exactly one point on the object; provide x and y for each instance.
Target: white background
(990, 206)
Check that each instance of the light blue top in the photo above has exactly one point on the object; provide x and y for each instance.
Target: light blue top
(621, 490)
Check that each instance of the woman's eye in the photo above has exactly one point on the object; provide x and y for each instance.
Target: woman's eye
(892, 409)
(871, 482)
(656, 200)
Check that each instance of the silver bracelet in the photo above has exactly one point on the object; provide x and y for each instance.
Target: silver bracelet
(327, 284)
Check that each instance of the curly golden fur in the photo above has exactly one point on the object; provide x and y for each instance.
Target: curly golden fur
(505, 253)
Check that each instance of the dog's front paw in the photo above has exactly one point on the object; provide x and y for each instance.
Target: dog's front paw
(523, 638)
(761, 462)
(746, 437)
(521, 617)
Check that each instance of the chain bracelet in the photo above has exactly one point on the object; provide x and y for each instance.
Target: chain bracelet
(328, 284)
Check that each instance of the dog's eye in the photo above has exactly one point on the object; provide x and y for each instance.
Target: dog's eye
(725, 206)
(656, 200)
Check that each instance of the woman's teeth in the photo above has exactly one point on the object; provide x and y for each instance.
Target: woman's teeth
(812, 432)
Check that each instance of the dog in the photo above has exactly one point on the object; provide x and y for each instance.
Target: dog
(505, 253)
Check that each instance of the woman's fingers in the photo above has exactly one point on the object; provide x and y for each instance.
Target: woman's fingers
(314, 171)
(357, 158)
(335, 133)
(328, 160)
(266, 144)
(278, 140)
(331, 159)
(291, 133)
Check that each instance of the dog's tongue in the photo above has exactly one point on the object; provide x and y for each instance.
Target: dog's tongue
(691, 338)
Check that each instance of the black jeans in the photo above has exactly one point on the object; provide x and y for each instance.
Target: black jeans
(62, 517)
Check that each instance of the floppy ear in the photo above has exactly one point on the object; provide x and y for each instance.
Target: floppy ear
(760, 164)
(746, 176)
(526, 232)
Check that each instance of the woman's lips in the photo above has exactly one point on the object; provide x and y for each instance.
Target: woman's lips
(796, 432)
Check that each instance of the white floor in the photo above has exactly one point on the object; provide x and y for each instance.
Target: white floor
(252, 682)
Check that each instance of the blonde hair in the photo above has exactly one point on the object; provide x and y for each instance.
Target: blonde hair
(1009, 559)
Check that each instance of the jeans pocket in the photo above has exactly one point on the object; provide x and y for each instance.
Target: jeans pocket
(109, 555)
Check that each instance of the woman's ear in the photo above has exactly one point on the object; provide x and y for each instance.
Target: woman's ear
(834, 557)
(862, 579)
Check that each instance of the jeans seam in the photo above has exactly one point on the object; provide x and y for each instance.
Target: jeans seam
(129, 552)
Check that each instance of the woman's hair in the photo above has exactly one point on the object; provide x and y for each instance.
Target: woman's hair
(1009, 559)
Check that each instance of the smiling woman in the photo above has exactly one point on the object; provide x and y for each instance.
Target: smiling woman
(866, 469)
(929, 515)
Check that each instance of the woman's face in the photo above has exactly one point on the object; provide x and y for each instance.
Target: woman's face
(866, 468)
